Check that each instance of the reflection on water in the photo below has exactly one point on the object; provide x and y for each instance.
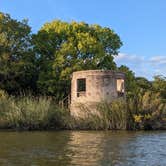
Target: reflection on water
(83, 148)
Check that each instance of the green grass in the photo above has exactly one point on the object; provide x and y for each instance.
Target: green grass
(144, 111)
(147, 110)
(104, 116)
(30, 113)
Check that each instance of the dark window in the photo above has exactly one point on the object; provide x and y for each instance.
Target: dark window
(120, 94)
(81, 87)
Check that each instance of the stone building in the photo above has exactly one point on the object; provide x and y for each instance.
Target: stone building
(92, 86)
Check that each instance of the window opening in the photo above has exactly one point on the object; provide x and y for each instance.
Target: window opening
(120, 87)
(81, 87)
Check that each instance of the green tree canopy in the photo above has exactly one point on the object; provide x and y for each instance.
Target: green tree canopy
(16, 58)
(143, 83)
(159, 85)
(66, 47)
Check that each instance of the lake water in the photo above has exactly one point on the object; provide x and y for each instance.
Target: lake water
(83, 148)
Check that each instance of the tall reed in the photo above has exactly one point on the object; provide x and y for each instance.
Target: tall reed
(29, 113)
(145, 110)
(104, 116)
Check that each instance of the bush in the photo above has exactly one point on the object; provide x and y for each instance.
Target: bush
(148, 110)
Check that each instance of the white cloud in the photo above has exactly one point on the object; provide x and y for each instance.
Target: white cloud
(158, 60)
(126, 57)
(143, 66)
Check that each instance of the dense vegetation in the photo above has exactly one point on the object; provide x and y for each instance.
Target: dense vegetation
(41, 65)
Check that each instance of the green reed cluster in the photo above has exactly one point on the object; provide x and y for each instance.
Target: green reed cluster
(29, 113)
(146, 110)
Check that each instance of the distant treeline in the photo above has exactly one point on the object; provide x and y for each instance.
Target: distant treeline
(41, 64)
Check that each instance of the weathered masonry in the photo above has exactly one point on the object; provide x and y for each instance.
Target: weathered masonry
(91, 86)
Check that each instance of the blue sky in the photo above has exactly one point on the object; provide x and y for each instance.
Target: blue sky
(140, 24)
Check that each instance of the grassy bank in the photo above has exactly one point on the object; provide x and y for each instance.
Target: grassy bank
(29, 113)
(146, 111)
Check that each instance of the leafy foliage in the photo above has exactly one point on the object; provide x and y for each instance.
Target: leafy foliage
(159, 85)
(66, 47)
(148, 110)
(16, 58)
(43, 63)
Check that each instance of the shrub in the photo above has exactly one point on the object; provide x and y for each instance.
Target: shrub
(148, 110)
